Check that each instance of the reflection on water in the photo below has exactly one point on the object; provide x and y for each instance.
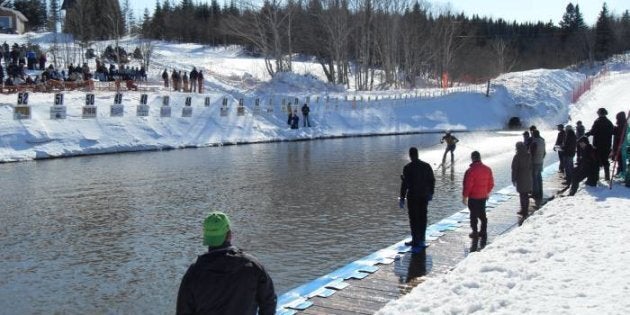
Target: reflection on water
(115, 233)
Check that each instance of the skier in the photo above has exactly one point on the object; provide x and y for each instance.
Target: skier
(558, 144)
(305, 111)
(537, 150)
(417, 186)
(602, 131)
(225, 280)
(478, 183)
(587, 167)
(618, 135)
(522, 176)
(451, 142)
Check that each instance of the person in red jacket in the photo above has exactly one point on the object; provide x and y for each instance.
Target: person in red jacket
(478, 182)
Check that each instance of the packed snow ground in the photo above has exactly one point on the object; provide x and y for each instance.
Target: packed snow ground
(540, 97)
(570, 257)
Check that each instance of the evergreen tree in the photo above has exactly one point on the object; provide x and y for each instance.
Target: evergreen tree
(604, 37)
(625, 31)
(34, 11)
(95, 20)
(54, 15)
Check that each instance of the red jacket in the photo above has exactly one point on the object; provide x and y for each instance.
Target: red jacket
(478, 181)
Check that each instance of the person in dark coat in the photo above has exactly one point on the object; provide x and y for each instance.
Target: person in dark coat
(200, 81)
(478, 183)
(522, 176)
(587, 167)
(225, 280)
(537, 150)
(305, 111)
(193, 80)
(527, 139)
(579, 133)
(417, 187)
(568, 149)
(618, 135)
(558, 144)
(451, 144)
(602, 131)
(165, 78)
(295, 120)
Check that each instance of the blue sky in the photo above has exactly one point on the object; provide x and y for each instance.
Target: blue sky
(519, 10)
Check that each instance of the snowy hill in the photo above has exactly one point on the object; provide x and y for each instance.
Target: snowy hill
(540, 96)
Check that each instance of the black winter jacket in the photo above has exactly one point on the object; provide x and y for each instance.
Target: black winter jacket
(226, 281)
(570, 143)
(418, 180)
(602, 132)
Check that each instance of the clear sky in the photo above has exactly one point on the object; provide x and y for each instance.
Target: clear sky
(519, 10)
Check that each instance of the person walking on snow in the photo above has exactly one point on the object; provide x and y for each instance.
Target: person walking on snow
(417, 186)
(451, 143)
(522, 176)
(478, 183)
(602, 131)
(305, 111)
(225, 280)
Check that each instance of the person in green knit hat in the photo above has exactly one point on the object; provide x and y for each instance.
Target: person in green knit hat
(225, 280)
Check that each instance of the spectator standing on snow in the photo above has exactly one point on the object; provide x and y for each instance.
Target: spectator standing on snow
(417, 186)
(295, 120)
(305, 111)
(557, 145)
(185, 81)
(165, 78)
(602, 131)
(200, 81)
(618, 135)
(537, 150)
(193, 80)
(527, 139)
(42, 61)
(568, 148)
(579, 133)
(587, 167)
(451, 143)
(522, 176)
(478, 183)
(225, 280)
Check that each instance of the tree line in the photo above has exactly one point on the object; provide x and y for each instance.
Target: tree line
(375, 43)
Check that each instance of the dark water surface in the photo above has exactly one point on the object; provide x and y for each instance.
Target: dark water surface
(115, 233)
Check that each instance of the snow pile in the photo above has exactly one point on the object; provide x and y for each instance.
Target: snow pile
(570, 257)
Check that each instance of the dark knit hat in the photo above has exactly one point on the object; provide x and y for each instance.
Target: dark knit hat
(475, 156)
(602, 111)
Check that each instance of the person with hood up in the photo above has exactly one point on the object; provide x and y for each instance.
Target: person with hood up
(225, 280)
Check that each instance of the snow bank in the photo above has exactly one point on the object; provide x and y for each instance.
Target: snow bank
(529, 95)
(569, 258)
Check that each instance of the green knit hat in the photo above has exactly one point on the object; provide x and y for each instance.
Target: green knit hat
(215, 228)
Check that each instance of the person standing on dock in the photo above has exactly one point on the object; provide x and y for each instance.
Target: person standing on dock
(417, 186)
(478, 183)
(451, 143)
(225, 280)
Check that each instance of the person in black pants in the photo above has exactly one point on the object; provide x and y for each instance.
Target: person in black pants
(587, 167)
(602, 132)
(558, 145)
(418, 185)
(305, 111)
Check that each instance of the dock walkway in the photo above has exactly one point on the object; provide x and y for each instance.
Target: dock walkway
(398, 271)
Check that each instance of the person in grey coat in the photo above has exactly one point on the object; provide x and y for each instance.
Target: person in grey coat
(522, 176)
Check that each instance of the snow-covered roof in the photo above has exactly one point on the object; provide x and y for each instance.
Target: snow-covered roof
(17, 13)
